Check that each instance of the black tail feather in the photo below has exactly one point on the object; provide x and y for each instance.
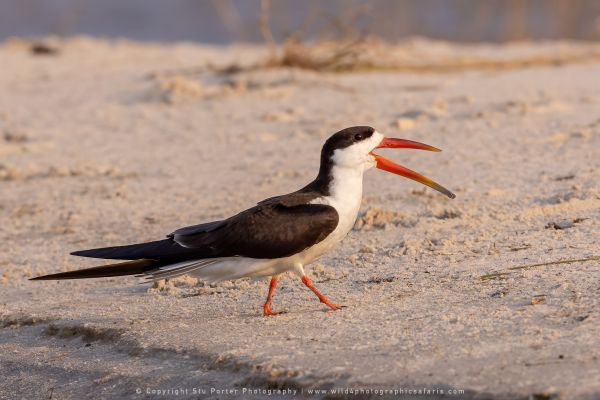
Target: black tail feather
(160, 249)
(103, 271)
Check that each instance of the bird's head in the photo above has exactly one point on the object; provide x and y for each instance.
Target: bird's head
(353, 148)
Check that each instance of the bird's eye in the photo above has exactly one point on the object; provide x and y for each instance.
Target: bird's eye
(358, 136)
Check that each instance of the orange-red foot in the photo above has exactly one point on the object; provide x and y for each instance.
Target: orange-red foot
(306, 280)
(267, 306)
(268, 312)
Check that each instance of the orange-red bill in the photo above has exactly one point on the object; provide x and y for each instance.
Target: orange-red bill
(393, 143)
(390, 166)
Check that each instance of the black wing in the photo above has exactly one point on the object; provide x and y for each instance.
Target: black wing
(274, 228)
(268, 230)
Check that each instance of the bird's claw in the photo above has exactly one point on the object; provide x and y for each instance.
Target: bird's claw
(267, 312)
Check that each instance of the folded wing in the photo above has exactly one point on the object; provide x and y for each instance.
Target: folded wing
(265, 231)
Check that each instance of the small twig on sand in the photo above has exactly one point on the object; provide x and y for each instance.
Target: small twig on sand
(495, 275)
(555, 262)
(500, 274)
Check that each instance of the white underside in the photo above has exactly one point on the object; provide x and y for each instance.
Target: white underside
(345, 196)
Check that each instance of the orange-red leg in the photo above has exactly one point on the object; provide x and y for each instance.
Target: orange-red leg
(267, 306)
(306, 280)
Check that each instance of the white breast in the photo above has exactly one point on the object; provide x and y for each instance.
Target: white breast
(345, 196)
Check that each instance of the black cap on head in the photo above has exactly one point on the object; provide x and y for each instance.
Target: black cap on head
(344, 138)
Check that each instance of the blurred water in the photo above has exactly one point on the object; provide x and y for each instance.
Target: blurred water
(225, 21)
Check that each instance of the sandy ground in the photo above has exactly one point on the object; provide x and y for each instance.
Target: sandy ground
(109, 143)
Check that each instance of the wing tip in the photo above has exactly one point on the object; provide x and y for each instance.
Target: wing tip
(80, 253)
(49, 277)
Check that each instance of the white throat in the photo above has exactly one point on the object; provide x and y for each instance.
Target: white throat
(345, 195)
(346, 186)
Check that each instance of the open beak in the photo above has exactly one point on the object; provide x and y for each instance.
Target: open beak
(387, 165)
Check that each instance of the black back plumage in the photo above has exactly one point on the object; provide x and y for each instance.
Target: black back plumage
(265, 231)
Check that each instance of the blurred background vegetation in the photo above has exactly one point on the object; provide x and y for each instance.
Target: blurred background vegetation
(231, 21)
